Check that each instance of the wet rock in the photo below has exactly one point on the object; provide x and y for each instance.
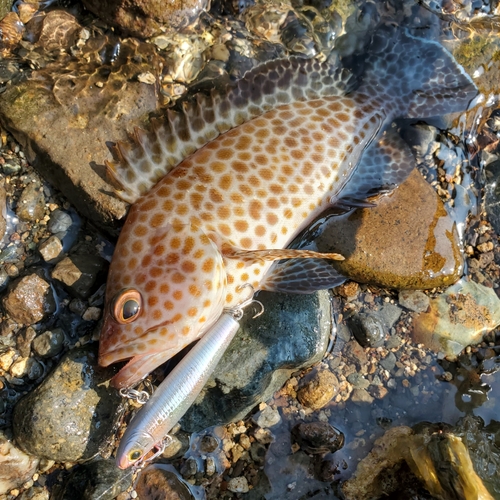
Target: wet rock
(59, 222)
(389, 362)
(414, 300)
(392, 244)
(238, 485)
(15, 466)
(318, 391)
(79, 273)
(29, 300)
(26, 367)
(292, 333)
(367, 329)
(50, 249)
(267, 417)
(5, 6)
(31, 205)
(11, 32)
(23, 341)
(49, 343)
(361, 396)
(457, 318)
(100, 480)
(318, 437)
(144, 19)
(161, 482)
(69, 415)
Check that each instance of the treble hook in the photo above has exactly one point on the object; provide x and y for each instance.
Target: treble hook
(237, 310)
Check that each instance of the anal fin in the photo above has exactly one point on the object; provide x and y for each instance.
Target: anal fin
(301, 276)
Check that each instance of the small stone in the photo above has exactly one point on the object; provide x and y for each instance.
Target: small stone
(318, 437)
(358, 381)
(92, 314)
(378, 392)
(79, 273)
(208, 444)
(15, 466)
(25, 367)
(49, 343)
(267, 417)
(31, 205)
(414, 300)
(7, 358)
(264, 436)
(319, 391)
(361, 396)
(245, 442)
(24, 340)
(367, 329)
(29, 300)
(258, 453)
(50, 249)
(238, 485)
(59, 222)
(389, 362)
(210, 466)
(147, 78)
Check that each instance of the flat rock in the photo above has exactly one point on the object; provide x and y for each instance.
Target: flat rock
(292, 333)
(71, 413)
(407, 241)
(64, 130)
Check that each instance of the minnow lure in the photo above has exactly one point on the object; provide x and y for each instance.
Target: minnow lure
(177, 392)
(222, 187)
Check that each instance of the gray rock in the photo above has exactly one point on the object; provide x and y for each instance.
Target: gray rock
(15, 466)
(29, 300)
(292, 333)
(79, 273)
(414, 300)
(368, 329)
(389, 314)
(31, 205)
(59, 222)
(389, 362)
(358, 381)
(361, 396)
(267, 417)
(49, 343)
(100, 480)
(71, 413)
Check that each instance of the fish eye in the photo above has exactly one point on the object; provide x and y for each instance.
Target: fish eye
(126, 306)
(134, 455)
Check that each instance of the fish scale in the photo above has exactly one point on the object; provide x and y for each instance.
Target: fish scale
(219, 219)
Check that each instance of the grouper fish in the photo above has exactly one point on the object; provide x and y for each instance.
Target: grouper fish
(222, 186)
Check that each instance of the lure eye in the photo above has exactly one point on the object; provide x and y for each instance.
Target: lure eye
(134, 455)
(126, 306)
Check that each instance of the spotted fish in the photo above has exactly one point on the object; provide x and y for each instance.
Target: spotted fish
(221, 187)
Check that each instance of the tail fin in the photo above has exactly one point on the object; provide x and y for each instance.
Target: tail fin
(417, 76)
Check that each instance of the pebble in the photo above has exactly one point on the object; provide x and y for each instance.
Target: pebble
(29, 300)
(414, 300)
(26, 367)
(389, 362)
(318, 437)
(79, 273)
(31, 205)
(15, 466)
(318, 391)
(71, 413)
(24, 340)
(457, 318)
(238, 485)
(50, 249)
(268, 417)
(361, 396)
(367, 329)
(49, 343)
(60, 221)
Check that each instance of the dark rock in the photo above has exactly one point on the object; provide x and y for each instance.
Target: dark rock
(15, 466)
(292, 333)
(31, 205)
(100, 480)
(79, 273)
(372, 239)
(29, 300)
(161, 482)
(318, 437)
(367, 329)
(71, 413)
(144, 19)
(389, 362)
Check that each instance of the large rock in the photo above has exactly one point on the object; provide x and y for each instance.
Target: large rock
(292, 333)
(68, 417)
(144, 18)
(407, 241)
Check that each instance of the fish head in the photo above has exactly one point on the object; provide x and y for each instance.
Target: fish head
(165, 287)
(133, 447)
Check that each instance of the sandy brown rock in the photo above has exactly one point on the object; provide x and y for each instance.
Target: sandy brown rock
(319, 391)
(144, 18)
(406, 242)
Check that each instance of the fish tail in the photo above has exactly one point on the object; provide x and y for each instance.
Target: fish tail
(417, 78)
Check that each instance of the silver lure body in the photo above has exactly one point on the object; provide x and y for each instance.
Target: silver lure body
(176, 393)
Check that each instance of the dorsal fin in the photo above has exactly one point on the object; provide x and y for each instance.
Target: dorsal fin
(200, 120)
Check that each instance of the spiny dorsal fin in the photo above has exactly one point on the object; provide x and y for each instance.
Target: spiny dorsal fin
(200, 120)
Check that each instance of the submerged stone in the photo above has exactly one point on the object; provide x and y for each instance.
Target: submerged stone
(68, 417)
(407, 241)
(457, 318)
(292, 333)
